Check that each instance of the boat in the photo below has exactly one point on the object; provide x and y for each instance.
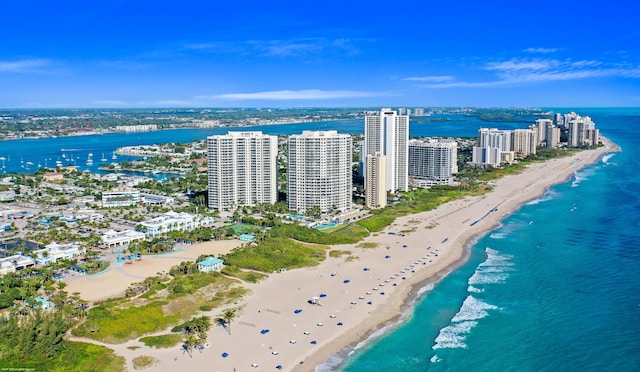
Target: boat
(114, 156)
(103, 158)
(90, 159)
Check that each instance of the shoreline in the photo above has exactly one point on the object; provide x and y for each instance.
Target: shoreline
(422, 288)
(107, 131)
(369, 292)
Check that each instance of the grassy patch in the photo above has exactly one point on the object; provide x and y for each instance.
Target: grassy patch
(368, 245)
(276, 253)
(352, 258)
(338, 253)
(112, 323)
(344, 234)
(417, 201)
(162, 341)
(177, 300)
(144, 362)
(75, 356)
(247, 276)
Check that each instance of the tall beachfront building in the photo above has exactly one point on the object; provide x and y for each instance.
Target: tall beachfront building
(524, 142)
(433, 161)
(552, 136)
(319, 171)
(376, 182)
(493, 147)
(242, 169)
(387, 133)
(540, 127)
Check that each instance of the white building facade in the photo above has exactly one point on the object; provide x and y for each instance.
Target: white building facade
(319, 171)
(387, 133)
(524, 142)
(173, 221)
(434, 160)
(120, 198)
(242, 169)
(493, 145)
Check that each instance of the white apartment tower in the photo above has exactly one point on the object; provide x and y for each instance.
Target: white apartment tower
(387, 133)
(493, 146)
(524, 142)
(242, 169)
(552, 136)
(375, 182)
(319, 171)
(541, 127)
(433, 160)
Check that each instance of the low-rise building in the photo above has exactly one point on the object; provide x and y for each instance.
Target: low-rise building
(53, 176)
(13, 263)
(247, 238)
(210, 264)
(8, 195)
(114, 239)
(54, 252)
(120, 198)
(173, 221)
(151, 199)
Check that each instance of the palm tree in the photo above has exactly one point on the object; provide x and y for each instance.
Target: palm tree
(227, 316)
(189, 343)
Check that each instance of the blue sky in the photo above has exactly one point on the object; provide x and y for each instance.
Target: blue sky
(138, 53)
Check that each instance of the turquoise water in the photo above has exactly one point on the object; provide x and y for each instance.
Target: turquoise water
(556, 287)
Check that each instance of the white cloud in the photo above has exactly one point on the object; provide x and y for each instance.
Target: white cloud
(518, 65)
(308, 94)
(24, 66)
(522, 71)
(431, 79)
(540, 50)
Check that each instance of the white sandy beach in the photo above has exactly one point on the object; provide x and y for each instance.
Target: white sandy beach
(357, 296)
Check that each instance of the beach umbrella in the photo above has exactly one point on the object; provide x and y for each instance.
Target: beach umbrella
(297, 311)
(346, 281)
(224, 355)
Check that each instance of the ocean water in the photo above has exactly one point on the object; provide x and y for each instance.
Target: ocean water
(555, 288)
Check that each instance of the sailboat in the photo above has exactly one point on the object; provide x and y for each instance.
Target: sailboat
(90, 159)
(114, 156)
(103, 158)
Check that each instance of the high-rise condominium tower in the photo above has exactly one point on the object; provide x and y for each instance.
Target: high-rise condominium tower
(387, 133)
(375, 187)
(434, 160)
(319, 171)
(242, 169)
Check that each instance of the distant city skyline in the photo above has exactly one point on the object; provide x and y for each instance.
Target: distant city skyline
(124, 54)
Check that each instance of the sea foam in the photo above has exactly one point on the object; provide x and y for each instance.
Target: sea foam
(454, 335)
(472, 309)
